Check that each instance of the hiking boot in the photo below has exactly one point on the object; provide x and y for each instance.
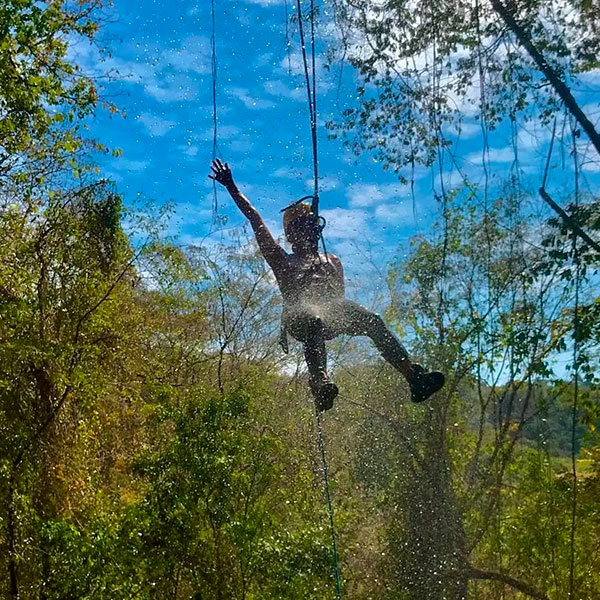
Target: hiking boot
(324, 391)
(423, 384)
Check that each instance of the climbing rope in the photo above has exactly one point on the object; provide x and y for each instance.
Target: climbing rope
(574, 419)
(311, 93)
(213, 46)
(575, 383)
(334, 552)
(570, 221)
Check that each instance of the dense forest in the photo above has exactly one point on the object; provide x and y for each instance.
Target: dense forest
(154, 440)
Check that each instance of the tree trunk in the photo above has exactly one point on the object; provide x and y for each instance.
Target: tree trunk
(551, 75)
(431, 543)
(521, 586)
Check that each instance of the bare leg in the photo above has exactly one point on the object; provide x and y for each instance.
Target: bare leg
(351, 318)
(315, 354)
(354, 319)
(314, 349)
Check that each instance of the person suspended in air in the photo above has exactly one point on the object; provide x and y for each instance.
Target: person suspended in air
(315, 308)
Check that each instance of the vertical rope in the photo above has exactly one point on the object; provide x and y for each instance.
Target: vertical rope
(575, 384)
(334, 552)
(311, 95)
(574, 420)
(287, 38)
(314, 111)
(440, 160)
(213, 46)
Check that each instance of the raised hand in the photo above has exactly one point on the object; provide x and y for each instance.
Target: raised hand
(221, 172)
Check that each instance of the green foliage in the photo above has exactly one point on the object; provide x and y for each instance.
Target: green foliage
(427, 69)
(473, 299)
(43, 93)
(66, 278)
(579, 267)
(148, 482)
(534, 533)
(213, 522)
(216, 520)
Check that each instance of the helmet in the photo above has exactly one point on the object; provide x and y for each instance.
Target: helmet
(299, 210)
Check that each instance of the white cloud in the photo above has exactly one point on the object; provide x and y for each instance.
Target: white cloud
(345, 223)
(494, 155)
(591, 77)
(189, 150)
(464, 129)
(173, 88)
(533, 137)
(451, 180)
(155, 125)
(166, 74)
(240, 146)
(162, 81)
(294, 62)
(289, 173)
(249, 101)
(293, 65)
(224, 132)
(190, 216)
(361, 195)
(131, 166)
(279, 88)
(265, 60)
(193, 55)
(266, 3)
(326, 183)
(591, 166)
(395, 213)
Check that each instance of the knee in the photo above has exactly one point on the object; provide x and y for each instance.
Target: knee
(370, 323)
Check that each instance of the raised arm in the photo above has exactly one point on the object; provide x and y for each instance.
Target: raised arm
(270, 249)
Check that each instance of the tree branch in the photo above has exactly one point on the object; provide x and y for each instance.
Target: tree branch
(569, 221)
(521, 586)
(551, 75)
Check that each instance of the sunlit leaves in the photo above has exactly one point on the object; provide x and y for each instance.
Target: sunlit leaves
(427, 68)
(42, 92)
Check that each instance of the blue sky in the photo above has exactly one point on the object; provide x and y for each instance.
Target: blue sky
(160, 64)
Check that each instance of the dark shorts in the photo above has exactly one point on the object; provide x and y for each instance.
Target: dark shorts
(331, 318)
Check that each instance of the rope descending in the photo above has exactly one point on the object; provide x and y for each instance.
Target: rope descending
(334, 552)
(574, 409)
(311, 92)
(213, 46)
